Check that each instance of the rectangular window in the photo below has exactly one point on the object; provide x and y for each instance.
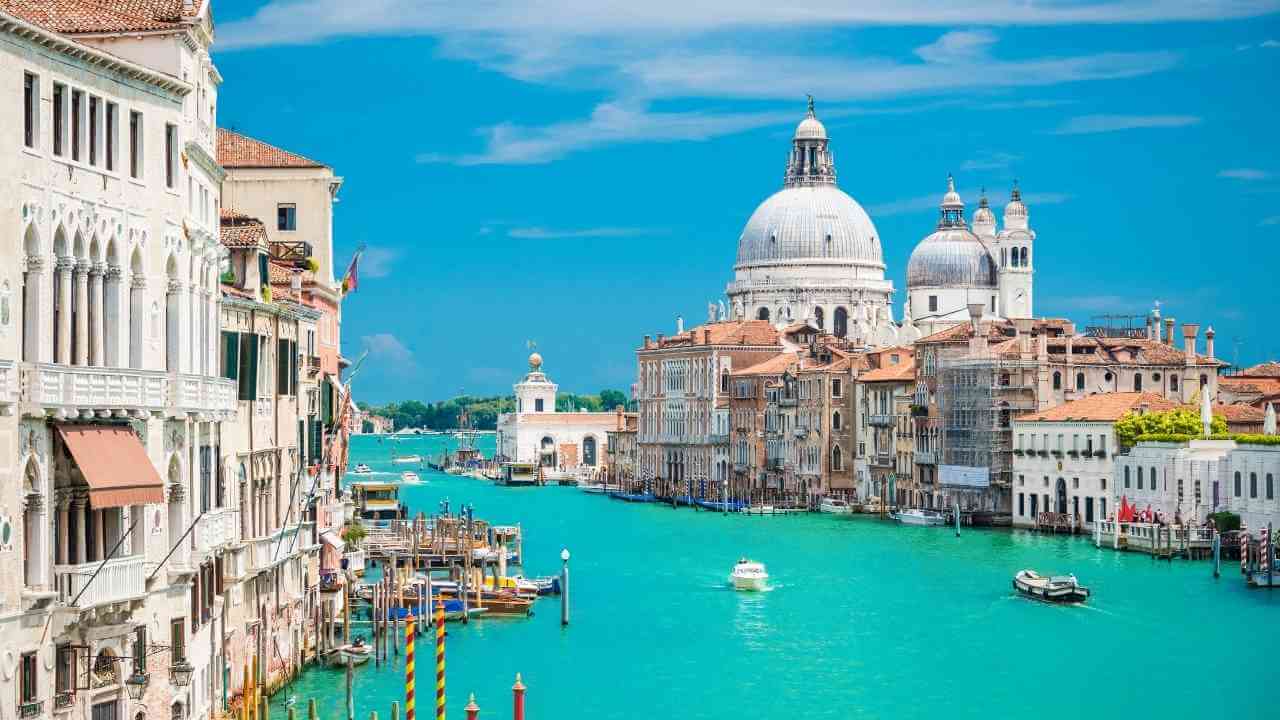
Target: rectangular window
(1102, 507)
(282, 367)
(1088, 509)
(112, 123)
(135, 144)
(95, 106)
(28, 677)
(106, 710)
(140, 649)
(63, 669)
(247, 367)
(177, 639)
(170, 155)
(230, 355)
(835, 387)
(993, 304)
(30, 109)
(59, 118)
(77, 122)
(286, 216)
(1021, 508)
(933, 303)
(537, 405)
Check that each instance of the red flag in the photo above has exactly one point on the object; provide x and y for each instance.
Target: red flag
(352, 279)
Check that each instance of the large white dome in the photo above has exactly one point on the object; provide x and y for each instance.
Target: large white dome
(816, 224)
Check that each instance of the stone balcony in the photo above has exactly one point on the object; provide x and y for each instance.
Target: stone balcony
(71, 391)
(271, 550)
(881, 419)
(216, 529)
(8, 387)
(925, 457)
(120, 580)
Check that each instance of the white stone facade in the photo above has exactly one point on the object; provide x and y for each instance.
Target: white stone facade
(1199, 477)
(1063, 467)
(538, 433)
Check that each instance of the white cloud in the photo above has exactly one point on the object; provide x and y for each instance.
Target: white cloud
(991, 161)
(1245, 174)
(388, 350)
(540, 233)
(378, 262)
(1265, 44)
(957, 46)
(1088, 124)
(1269, 221)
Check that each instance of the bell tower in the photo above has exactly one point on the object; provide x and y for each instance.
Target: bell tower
(1017, 255)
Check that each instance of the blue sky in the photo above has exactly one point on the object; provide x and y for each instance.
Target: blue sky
(577, 173)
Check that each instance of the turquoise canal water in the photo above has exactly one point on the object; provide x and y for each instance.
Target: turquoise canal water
(867, 619)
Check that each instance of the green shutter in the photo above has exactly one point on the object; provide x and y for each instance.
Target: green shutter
(245, 366)
(293, 368)
(254, 359)
(282, 367)
(230, 355)
(262, 270)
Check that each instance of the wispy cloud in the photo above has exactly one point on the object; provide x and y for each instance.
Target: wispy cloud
(922, 203)
(1089, 124)
(991, 161)
(1269, 221)
(1245, 174)
(378, 261)
(387, 350)
(541, 233)
(1270, 44)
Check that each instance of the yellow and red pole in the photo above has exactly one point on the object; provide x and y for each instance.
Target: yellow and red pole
(408, 670)
(440, 660)
(517, 692)
(473, 710)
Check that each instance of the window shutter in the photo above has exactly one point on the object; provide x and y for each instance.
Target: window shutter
(262, 270)
(252, 370)
(245, 365)
(293, 368)
(230, 354)
(282, 367)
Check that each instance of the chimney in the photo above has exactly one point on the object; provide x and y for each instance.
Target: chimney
(679, 324)
(1152, 336)
(1168, 331)
(975, 316)
(1153, 323)
(1208, 342)
(1189, 332)
(622, 425)
(646, 342)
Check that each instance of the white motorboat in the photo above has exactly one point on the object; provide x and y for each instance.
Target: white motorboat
(919, 517)
(835, 506)
(1056, 588)
(362, 469)
(407, 459)
(408, 476)
(759, 510)
(595, 488)
(749, 575)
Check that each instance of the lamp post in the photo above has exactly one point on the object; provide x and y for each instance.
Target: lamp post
(180, 673)
(136, 684)
(564, 587)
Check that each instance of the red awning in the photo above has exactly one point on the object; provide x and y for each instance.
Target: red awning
(115, 465)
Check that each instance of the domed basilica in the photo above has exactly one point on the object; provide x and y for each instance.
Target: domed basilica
(811, 253)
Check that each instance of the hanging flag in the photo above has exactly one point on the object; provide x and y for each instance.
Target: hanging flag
(351, 280)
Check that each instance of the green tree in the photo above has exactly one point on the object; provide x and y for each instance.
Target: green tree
(1170, 422)
(611, 399)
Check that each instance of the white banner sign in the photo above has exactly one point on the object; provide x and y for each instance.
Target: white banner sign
(963, 476)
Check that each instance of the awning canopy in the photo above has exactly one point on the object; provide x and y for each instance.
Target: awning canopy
(114, 464)
(330, 538)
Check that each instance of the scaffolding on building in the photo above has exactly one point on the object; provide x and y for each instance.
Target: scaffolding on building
(978, 398)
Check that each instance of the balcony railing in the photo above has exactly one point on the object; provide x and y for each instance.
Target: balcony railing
(217, 528)
(235, 565)
(881, 420)
(717, 439)
(926, 457)
(8, 383)
(198, 393)
(71, 388)
(882, 460)
(268, 551)
(119, 580)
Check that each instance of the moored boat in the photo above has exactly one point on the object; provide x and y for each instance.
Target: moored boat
(362, 469)
(835, 506)
(408, 476)
(405, 459)
(518, 474)
(749, 575)
(919, 517)
(1055, 588)
(593, 488)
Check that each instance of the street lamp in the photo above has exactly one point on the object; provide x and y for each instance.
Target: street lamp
(180, 673)
(136, 684)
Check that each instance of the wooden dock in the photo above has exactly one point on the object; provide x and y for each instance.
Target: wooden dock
(1162, 541)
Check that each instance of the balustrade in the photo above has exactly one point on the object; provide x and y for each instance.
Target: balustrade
(120, 579)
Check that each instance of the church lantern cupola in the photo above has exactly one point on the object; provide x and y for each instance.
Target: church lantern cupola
(810, 162)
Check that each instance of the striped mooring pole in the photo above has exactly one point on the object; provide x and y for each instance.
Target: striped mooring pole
(440, 660)
(408, 669)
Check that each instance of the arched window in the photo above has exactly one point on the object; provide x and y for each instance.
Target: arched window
(589, 451)
(1173, 383)
(841, 328)
(1204, 380)
(762, 313)
(1126, 477)
(1137, 382)
(835, 420)
(818, 316)
(1025, 262)
(1237, 483)
(1153, 480)
(1080, 381)
(1253, 485)
(1057, 380)
(837, 462)
(1271, 491)
(1139, 477)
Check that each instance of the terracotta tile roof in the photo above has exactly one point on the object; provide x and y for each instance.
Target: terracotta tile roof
(99, 16)
(1122, 351)
(775, 365)
(1239, 413)
(240, 151)
(732, 332)
(1269, 369)
(241, 231)
(1102, 407)
(902, 372)
(280, 274)
(1259, 385)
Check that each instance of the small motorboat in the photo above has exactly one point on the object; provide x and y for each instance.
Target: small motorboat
(759, 510)
(749, 575)
(919, 517)
(409, 476)
(405, 459)
(362, 469)
(1055, 588)
(358, 652)
(593, 488)
(453, 611)
(835, 506)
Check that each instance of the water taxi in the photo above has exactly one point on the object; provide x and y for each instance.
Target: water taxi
(1055, 588)
(835, 506)
(362, 469)
(409, 476)
(516, 473)
(378, 501)
(593, 488)
(919, 517)
(749, 575)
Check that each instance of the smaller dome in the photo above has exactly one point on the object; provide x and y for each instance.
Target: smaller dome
(951, 257)
(1015, 208)
(983, 218)
(811, 128)
(952, 198)
(535, 361)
